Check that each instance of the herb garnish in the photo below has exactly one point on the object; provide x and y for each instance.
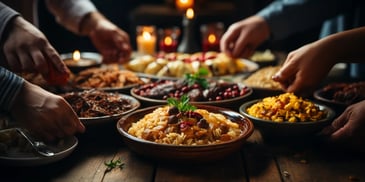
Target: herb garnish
(182, 105)
(114, 164)
(198, 78)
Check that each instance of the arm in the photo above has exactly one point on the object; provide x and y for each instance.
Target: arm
(46, 115)
(82, 18)
(305, 67)
(278, 20)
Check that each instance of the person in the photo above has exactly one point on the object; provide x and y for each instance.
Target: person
(25, 49)
(302, 72)
(284, 18)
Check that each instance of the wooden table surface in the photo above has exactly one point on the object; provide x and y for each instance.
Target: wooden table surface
(260, 159)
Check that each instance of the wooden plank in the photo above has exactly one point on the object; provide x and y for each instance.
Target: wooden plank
(259, 161)
(136, 169)
(228, 169)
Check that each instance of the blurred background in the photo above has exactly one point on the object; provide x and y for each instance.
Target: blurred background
(127, 14)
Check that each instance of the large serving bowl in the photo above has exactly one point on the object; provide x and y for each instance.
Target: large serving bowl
(187, 153)
(285, 128)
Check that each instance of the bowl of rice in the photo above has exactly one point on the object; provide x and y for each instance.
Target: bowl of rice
(287, 115)
(152, 133)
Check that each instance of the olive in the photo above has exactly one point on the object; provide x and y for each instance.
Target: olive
(173, 111)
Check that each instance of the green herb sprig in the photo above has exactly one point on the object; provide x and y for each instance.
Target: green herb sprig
(198, 78)
(182, 105)
(112, 164)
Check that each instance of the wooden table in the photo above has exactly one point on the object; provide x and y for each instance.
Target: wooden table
(260, 159)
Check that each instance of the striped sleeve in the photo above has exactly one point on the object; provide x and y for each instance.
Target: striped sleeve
(10, 86)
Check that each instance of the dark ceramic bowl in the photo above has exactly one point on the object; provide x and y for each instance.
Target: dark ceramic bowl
(286, 128)
(187, 153)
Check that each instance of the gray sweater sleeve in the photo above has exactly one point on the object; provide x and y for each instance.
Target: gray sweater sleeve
(286, 17)
(6, 14)
(10, 86)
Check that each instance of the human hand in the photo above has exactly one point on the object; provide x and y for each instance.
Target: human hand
(304, 69)
(46, 115)
(26, 49)
(243, 37)
(348, 129)
(112, 42)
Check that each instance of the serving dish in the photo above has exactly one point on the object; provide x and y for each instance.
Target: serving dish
(110, 78)
(93, 106)
(15, 151)
(242, 93)
(86, 60)
(184, 153)
(285, 128)
(176, 65)
(340, 95)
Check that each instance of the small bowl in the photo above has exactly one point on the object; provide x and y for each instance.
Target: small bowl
(285, 128)
(322, 97)
(184, 153)
(87, 60)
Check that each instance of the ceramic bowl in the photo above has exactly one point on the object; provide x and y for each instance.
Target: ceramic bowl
(288, 129)
(187, 153)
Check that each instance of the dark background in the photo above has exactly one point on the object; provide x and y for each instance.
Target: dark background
(125, 14)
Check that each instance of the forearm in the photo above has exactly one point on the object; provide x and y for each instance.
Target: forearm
(347, 46)
(6, 14)
(70, 13)
(10, 85)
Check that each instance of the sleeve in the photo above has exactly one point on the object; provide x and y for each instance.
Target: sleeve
(6, 14)
(10, 86)
(69, 13)
(286, 17)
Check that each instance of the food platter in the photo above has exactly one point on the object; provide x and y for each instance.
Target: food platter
(181, 153)
(15, 157)
(128, 102)
(176, 65)
(230, 102)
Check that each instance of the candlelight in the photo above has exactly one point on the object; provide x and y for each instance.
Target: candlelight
(190, 13)
(168, 41)
(212, 38)
(184, 4)
(76, 55)
(146, 39)
(146, 36)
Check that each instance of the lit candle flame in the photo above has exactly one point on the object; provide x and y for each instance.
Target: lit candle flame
(146, 36)
(168, 41)
(212, 38)
(76, 55)
(190, 13)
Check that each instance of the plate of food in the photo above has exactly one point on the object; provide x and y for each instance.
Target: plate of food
(199, 90)
(107, 78)
(287, 115)
(262, 83)
(340, 95)
(264, 58)
(96, 106)
(15, 150)
(176, 65)
(182, 132)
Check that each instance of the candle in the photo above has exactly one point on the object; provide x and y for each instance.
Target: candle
(169, 39)
(146, 40)
(78, 61)
(188, 43)
(211, 43)
(211, 34)
(184, 4)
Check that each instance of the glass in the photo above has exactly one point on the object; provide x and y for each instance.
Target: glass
(169, 39)
(146, 39)
(211, 35)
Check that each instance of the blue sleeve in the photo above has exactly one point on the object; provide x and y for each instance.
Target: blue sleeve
(286, 17)
(6, 14)
(10, 85)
